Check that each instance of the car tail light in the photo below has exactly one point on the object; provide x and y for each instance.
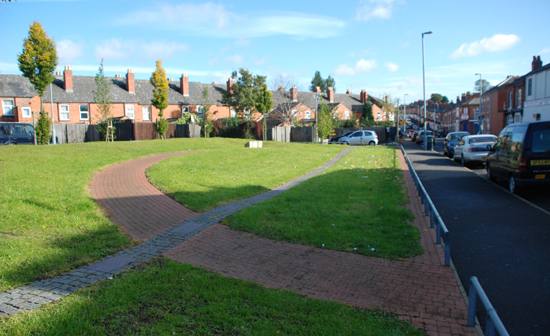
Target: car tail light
(473, 149)
(522, 163)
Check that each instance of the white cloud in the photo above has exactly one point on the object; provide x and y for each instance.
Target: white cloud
(362, 66)
(374, 9)
(199, 19)
(117, 49)
(69, 51)
(242, 42)
(392, 67)
(496, 43)
(261, 61)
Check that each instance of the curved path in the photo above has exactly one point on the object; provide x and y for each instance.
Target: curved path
(418, 289)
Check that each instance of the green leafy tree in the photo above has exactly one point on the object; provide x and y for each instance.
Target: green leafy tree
(244, 93)
(325, 121)
(42, 129)
(37, 62)
(160, 97)
(367, 118)
(436, 97)
(102, 97)
(482, 84)
(318, 81)
(264, 103)
(445, 99)
(206, 123)
(330, 82)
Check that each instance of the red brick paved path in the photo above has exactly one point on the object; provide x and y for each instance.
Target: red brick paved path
(420, 289)
(133, 203)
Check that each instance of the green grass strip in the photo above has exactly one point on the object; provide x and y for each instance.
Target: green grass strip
(354, 206)
(49, 222)
(169, 298)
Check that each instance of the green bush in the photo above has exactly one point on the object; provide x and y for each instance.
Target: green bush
(102, 129)
(185, 119)
(42, 129)
(230, 122)
(161, 127)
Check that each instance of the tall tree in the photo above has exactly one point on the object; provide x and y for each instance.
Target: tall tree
(37, 62)
(445, 99)
(160, 97)
(484, 84)
(102, 97)
(264, 103)
(318, 81)
(367, 118)
(206, 123)
(325, 121)
(330, 82)
(436, 97)
(242, 97)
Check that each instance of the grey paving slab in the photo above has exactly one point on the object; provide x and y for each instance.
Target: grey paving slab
(44, 291)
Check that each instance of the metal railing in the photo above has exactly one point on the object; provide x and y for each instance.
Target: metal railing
(429, 209)
(493, 322)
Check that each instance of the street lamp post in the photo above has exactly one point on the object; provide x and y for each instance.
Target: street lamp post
(405, 112)
(480, 104)
(316, 113)
(424, 90)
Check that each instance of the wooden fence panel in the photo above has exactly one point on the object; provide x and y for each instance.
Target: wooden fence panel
(187, 131)
(302, 134)
(145, 131)
(281, 134)
(61, 133)
(124, 130)
(76, 133)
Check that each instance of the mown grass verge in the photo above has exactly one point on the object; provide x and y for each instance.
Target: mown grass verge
(354, 206)
(168, 298)
(49, 222)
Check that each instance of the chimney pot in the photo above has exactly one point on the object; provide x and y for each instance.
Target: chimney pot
(348, 91)
(230, 84)
(330, 94)
(536, 64)
(280, 88)
(317, 89)
(214, 83)
(131, 82)
(68, 78)
(184, 85)
(294, 93)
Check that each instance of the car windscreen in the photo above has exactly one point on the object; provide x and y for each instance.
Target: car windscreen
(457, 137)
(541, 141)
(475, 140)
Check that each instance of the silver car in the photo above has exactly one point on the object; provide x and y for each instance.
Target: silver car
(360, 138)
(473, 148)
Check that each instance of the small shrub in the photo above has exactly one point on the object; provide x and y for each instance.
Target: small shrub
(42, 129)
(102, 129)
(186, 118)
(259, 130)
(161, 127)
(230, 122)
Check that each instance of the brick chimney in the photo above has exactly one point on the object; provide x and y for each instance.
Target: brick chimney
(68, 78)
(463, 97)
(184, 85)
(294, 93)
(330, 94)
(364, 96)
(131, 81)
(317, 89)
(537, 63)
(230, 84)
(468, 95)
(348, 91)
(457, 99)
(280, 88)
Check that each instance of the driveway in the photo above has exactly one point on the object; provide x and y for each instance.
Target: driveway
(495, 236)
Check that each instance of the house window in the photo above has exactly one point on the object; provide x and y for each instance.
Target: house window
(84, 113)
(26, 112)
(346, 115)
(130, 111)
(64, 112)
(308, 114)
(294, 113)
(184, 110)
(200, 112)
(519, 98)
(509, 119)
(530, 87)
(510, 105)
(7, 105)
(146, 113)
(233, 113)
(517, 118)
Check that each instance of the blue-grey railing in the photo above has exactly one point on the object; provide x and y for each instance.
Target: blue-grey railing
(430, 210)
(493, 323)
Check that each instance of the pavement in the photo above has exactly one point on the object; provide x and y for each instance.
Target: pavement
(420, 289)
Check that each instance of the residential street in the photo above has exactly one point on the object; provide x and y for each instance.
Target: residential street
(495, 236)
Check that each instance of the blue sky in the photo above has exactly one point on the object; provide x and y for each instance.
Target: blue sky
(364, 44)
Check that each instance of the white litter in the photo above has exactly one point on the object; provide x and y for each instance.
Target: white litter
(372, 249)
(333, 224)
(110, 278)
(364, 176)
(355, 248)
(323, 245)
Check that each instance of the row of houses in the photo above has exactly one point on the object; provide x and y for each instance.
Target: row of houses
(516, 99)
(70, 99)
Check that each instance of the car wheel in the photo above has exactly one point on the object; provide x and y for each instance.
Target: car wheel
(451, 154)
(372, 143)
(346, 143)
(462, 161)
(490, 175)
(512, 185)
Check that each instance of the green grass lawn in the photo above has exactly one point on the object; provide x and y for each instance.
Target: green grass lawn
(49, 222)
(168, 298)
(354, 206)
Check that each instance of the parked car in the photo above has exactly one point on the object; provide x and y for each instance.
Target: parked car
(415, 135)
(334, 140)
(360, 138)
(521, 155)
(421, 134)
(473, 148)
(16, 133)
(451, 140)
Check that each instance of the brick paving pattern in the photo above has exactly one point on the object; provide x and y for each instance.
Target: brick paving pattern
(420, 290)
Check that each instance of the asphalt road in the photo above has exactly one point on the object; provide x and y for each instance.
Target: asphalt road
(495, 236)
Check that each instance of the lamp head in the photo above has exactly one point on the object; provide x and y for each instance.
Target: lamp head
(427, 33)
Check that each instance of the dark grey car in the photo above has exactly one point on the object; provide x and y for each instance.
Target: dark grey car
(16, 133)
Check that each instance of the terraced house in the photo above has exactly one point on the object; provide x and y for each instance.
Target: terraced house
(73, 100)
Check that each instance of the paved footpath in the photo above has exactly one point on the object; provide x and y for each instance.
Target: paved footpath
(420, 289)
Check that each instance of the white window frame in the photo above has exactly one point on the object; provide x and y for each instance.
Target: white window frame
(184, 110)
(519, 98)
(130, 112)
(87, 112)
(517, 117)
(64, 115)
(26, 112)
(233, 113)
(308, 114)
(9, 107)
(294, 113)
(200, 112)
(510, 105)
(530, 87)
(509, 119)
(146, 110)
(346, 115)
